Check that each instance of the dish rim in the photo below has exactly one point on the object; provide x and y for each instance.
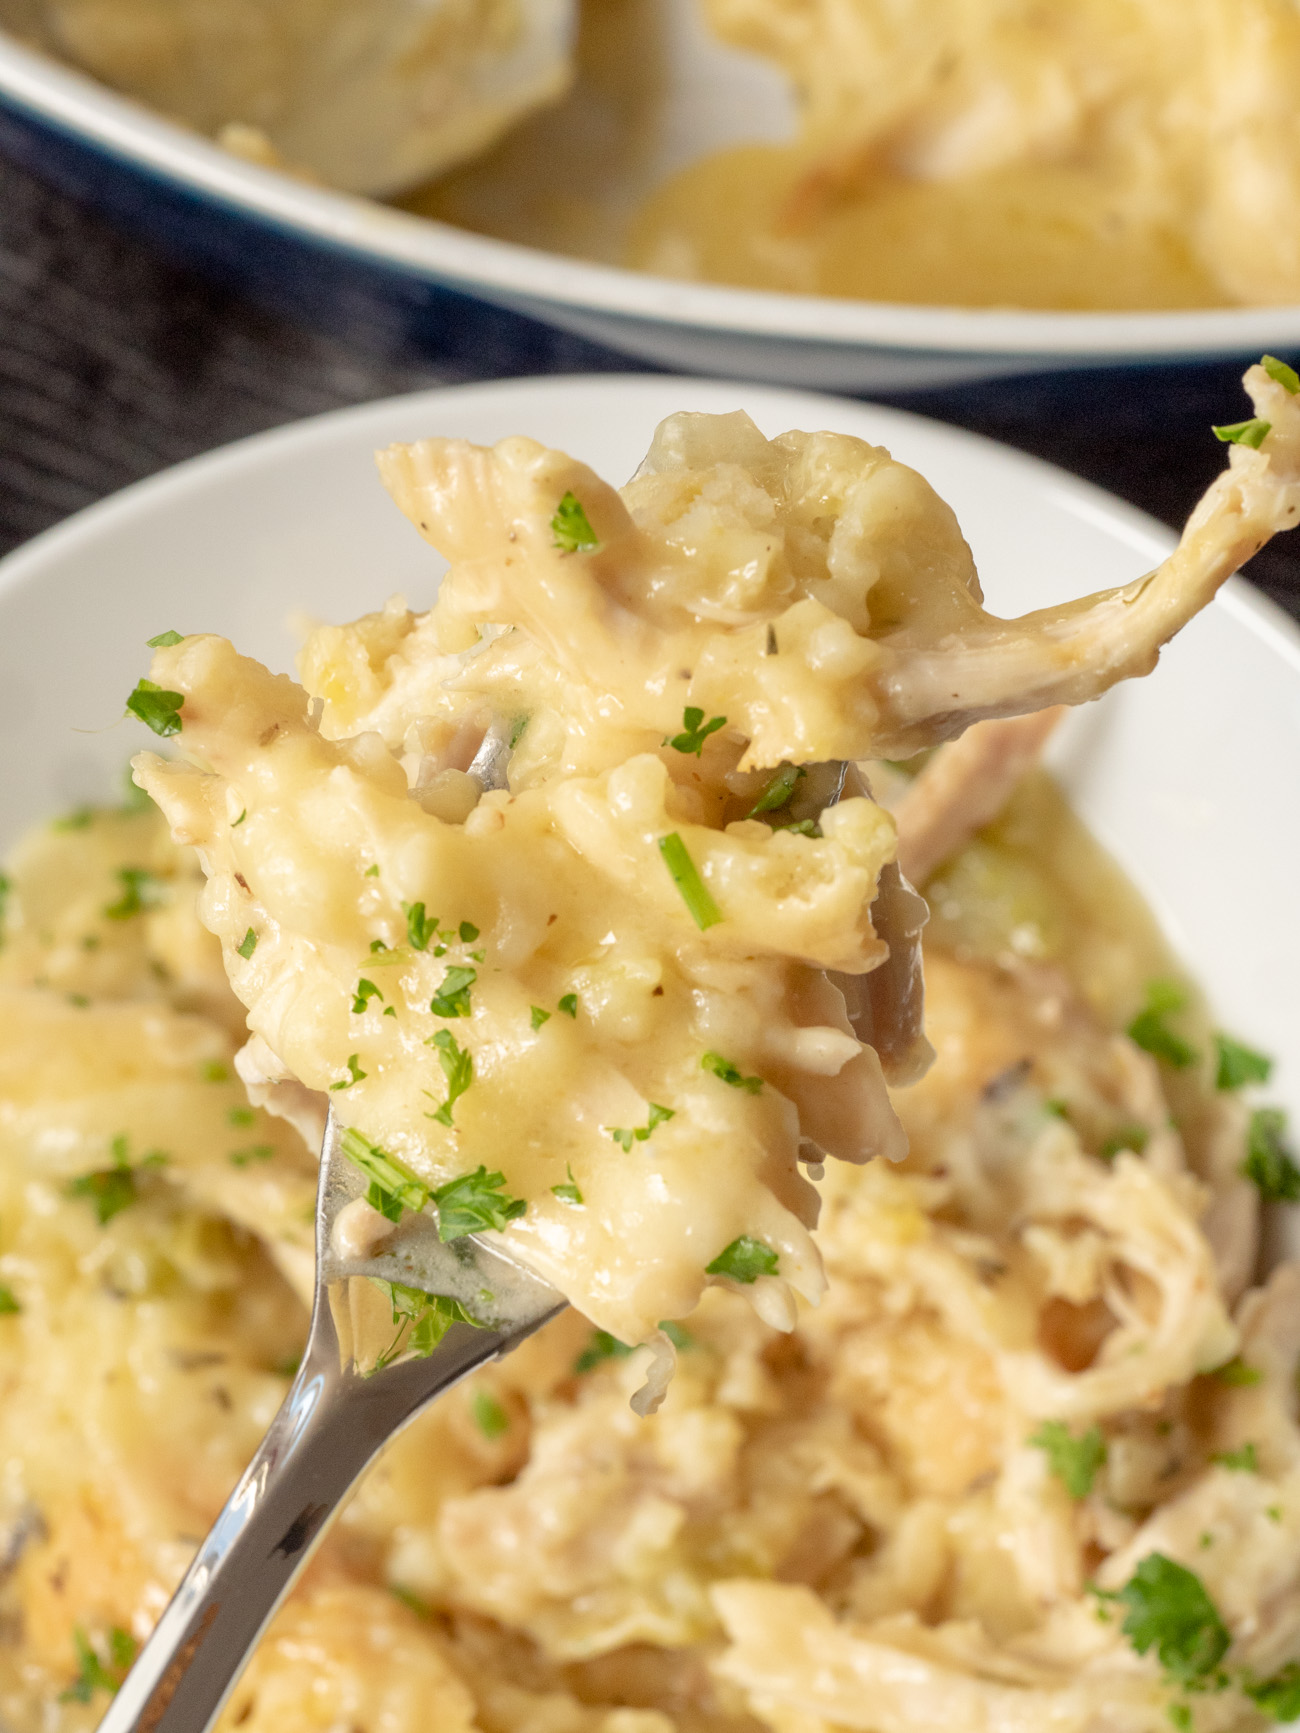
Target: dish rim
(422, 248)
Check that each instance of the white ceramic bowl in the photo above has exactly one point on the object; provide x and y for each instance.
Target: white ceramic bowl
(306, 245)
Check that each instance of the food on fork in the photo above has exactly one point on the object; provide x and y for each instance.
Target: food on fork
(607, 1009)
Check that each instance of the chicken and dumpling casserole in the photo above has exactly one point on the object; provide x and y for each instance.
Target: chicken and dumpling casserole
(577, 898)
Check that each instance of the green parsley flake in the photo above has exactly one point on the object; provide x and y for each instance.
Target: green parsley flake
(80, 818)
(517, 728)
(157, 708)
(141, 890)
(1180, 1716)
(1268, 1162)
(571, 528)
(569, 1005)
(452, 998)
(255, 1152)
(372, 871)
(1237, 1375)
(470, 1205)
(366, 991)
(1238, 1064)
(1281, 374)
(468, 932)
(247, 945)
(805, 827)
(537, 1016)
(6, 885)
(602, 1346)
(1243, 1461)
(568, 1193)
(422, 1319)
(730, 1073)
(213, 1071)
(110, 1190)
(744, 1260)
(1278, 1697)
(236, 822)
(1251, 433)
(685, 875)
(1073, 1460)
(1169, 1610)
(676, 1335)
(93, 1673)
(355, 1073)
(457, 1067)
(244, 1116)
(641, 1133)
(779, 791)
(9, 1306)
(392, 1185)
(1152, 1034)
(1131, 1137)
(164, 640)
(419, 927)
(695, 731)
(489, 1416)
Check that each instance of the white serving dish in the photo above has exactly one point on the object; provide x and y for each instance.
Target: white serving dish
(301, 243)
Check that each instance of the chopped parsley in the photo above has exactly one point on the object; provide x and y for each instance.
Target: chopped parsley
(470, 1205)
(236, 822)
(157, 708)
(355, 1073)
(1180, 1716)
(366, 991)
(571, 527)
(569, 1005)
(537, 1016)
(1243, 1461)
(695, 731)
(1268, 1162)
(9, 1306)
(80, 818)
(393, 1187)
(779, 791)
(744, 1260)
(1278, 1697)
(1237, 1375)
(428, 1316)
(1151, 1032)
(110, 1190)
(372, 871)
(805, 827)
(676, 1335)
(1252, 433)
(419, 927)
(468, 932)
(254, 1152)
(247, 945)
(1289, 380)
(1238, 1064)
(141, 890)
(517, 728)
(640, 1133)
(602, 1346)
(1074, 1460)
(95, 1674)
(1131, 1137)
(457, 1067)
(685, 875)
(568, 1193)
(242, 1116)
(452, 998)
(213, 1071)
(1169, 1611)
(489, 1416)
(164, 640)
(730, 1073)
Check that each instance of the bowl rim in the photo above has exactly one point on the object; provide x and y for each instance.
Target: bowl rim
(514, 275)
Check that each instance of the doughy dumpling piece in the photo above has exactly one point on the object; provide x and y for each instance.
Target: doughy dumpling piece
(371, 96)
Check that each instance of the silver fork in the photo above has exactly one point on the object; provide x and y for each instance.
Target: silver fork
(335, 1420)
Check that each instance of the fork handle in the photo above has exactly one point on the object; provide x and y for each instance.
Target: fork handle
(333, 1423)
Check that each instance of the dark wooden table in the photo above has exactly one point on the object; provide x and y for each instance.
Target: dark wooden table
(116, 361)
